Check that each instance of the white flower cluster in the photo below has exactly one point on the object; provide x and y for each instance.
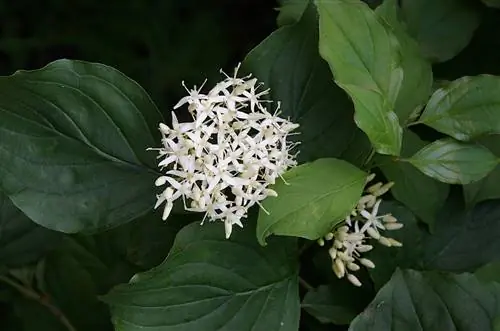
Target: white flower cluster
(350, 239)
(223, 161)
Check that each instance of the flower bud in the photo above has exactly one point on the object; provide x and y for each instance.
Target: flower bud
(333, 253)
(385, 241)
(389, 219)
(338, 268)
(393, 226)
(364, 248)
(354, 280)
(367, 263)
(344, 256)
(329, 236)
(384, 189)
(374, 188)
(395, 243)
(353, 266)
(321, 242)
(373, 233)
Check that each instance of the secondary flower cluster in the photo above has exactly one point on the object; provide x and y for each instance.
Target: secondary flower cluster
(223, 161)
(350, 239)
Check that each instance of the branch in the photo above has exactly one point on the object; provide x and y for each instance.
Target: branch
(44, 301)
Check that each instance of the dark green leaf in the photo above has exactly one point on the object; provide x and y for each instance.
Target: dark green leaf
(364, 57)
(431, 301)
(210, 283)
(486, 188)
(359, 149)
(288, 62)
(22, 241)
(35, 317)
(73, 139)
(417, 80)
(334, 304)
(467, 108)
(464, 241)
(452, 162)
(315, 197)
(291, 11)
(442, 28)
(420, 193)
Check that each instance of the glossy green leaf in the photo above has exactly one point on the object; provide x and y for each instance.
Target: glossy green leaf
(453, 162)
(364, 57)
(22, 241)
(210, 283)
(290, 11)
(415, 300)
(315, 197)
(288, 62)
(442, 28)
(334, 304)
(417, 80)
(486, 188)
(467, 108)
(73, 138)
(411, 183)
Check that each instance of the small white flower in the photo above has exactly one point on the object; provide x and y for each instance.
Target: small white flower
(222, 162)
(360, 226)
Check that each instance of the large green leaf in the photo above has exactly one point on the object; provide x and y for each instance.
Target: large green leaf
(486, 188)
(453, 162)
(288, 62)
(22, 241)
(314, 198)
(210, 283)
(466, 108)
(417, 80)
(492, 3)
(431, 301)
(73, 138)
(442, 28)
(410, 183)
(364, 57)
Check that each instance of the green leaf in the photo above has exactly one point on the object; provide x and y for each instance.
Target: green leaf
(415, 300)
(467, 108)
(464, 240)
(334, 304)
(290, 11)
(22, 242)
(486, 188)
(417, 81)
(442, 28)
(315, 197)
(288, 62)
(453, 162)
(410, 183)
(489, 272)
(73, 138)
(364, 57)
(210, 283)
(35, 317)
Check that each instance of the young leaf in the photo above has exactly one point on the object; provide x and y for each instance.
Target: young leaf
(290, 11)
(210, 283)
(288, 62)
(467, 108)
(364, 58)
(73, 139)
(411, 183)
(486, 188)
(22, 242)
(415, 300)
(315, 197)
(452, 162)
(442, 28)
(417, 80)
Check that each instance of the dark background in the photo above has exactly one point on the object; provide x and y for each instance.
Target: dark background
(158, 43)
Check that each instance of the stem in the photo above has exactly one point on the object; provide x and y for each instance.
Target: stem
(31, 294)
(305, 284)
